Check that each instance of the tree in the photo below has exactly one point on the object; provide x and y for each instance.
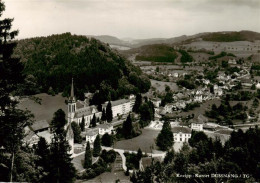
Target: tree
(138, 102)
(107, 140)
(109, 112)
(103, 117)
(58, 122)
(97, 147)
(82, 124)
(43, 151)
(12, 120)
(88, 157)
(93, 122)
(76, 131)
(62, 170)
(165, 138)
(139, 154)
(127, 129)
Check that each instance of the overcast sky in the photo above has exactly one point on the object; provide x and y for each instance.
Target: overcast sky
(132, 18)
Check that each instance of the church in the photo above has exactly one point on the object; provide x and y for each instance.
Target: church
(77, 110)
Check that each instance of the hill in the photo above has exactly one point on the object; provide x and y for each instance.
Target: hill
(50, 63)
(231, 36)
(226, 36)
(155, 53)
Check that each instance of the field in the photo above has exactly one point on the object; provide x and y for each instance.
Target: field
(160, 85)
(144, 141)
(45, 110)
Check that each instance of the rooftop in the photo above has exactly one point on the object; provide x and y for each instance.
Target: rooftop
(181, 129)
(105, 126)
(91, 133)
(38, 125)
(116, 102)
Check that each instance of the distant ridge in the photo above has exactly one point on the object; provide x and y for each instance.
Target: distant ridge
(224, 36)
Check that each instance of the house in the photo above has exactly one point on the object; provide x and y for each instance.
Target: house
(232, 61)
(181, 134)
(156, 102)
(246, 82)
(105, 128)
(91, 136)
(197, 126)
(40, 126)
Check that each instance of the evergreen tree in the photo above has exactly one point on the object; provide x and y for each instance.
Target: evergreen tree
(165, 138)
(107, 140)
(12, 120)
(97, 147)
(127, 129)
(43, 151)
(139, 154)
(62, 170)
(58, 122)
(88, 157)
(76, 131)
(103, 117)
(109, 112)
(138, 102)
(82, 124)
(93, 122)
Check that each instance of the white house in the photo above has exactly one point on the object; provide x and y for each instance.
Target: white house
(197, 126)
(91, 136)
(181, 134)
(105, 128)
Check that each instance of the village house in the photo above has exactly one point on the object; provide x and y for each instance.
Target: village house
(91, 136)
(181, 134)
(105, 128)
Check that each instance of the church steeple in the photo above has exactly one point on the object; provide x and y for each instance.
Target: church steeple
(72, 97)
(72, 107)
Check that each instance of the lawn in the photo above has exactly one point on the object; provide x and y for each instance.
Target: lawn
(144, 141)
(44, 111)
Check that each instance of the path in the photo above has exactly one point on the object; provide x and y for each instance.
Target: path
(78, 157)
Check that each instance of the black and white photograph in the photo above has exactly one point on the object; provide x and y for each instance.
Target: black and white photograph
(121, 91)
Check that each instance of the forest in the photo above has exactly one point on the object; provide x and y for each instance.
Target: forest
(51, 62)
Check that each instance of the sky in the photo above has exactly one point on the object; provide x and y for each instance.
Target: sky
(138, 19)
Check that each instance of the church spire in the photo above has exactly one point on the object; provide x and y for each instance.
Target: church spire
(72, 90)
(72, 97)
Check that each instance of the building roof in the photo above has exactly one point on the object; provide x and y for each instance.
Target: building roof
(104, 126)
(86, 111)
(181, 129)
(38, 125)
(45, 134)
(116, 102)
(79, 105)
(91, 133)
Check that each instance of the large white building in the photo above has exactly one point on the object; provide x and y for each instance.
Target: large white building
(181, 134)
(122, 106)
